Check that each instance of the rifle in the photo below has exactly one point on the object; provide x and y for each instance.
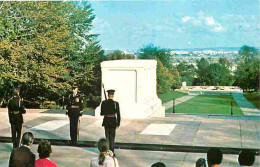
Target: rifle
(104, 91)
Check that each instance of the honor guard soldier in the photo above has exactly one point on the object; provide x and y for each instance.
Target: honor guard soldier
(74, 111)
(15, 112)
(111, 112)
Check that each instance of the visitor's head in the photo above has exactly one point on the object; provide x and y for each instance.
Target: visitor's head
(158, 164)
(110, 93)
(27, 139)
(103, 147)
(201, 162)
(44, 149)
(246, 158)
(214, 156)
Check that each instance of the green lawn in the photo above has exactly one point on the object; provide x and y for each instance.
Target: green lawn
(208, 104)
(253, 98)
(171, 95)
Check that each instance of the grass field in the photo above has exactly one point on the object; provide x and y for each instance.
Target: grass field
(208, 104)
(171, 95)
(253, 98)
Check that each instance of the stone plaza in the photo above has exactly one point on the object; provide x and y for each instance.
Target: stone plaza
(235, 132)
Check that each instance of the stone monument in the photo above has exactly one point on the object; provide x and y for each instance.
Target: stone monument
(184, 85)
(135, 84)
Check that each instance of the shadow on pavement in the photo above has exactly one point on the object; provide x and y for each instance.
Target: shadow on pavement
(53, 111)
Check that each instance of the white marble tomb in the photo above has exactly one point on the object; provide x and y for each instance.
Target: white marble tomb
(135, 84)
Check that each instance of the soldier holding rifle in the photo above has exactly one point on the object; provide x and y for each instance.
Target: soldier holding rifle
(111, 112)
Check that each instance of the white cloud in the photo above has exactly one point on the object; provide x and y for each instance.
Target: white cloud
(218, 28)
(210, 21)
(196, 22)
(185, 19)
(202, 20)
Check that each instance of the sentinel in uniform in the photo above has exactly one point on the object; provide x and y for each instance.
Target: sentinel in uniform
(15, 111)
(111, 112)
(74, 111)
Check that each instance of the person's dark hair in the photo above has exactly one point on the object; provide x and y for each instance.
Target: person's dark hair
(27, 138)
(158, 164)
(103, 146)
(44, 149)
(201, 162)
(214, 156)
(246, 158)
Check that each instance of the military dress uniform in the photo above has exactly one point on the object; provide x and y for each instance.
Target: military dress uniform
(74, 108)
(15, 111)
(111, 112)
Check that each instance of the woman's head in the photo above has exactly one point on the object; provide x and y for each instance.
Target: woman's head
(103, 147)
(201, 162)
(44, 149)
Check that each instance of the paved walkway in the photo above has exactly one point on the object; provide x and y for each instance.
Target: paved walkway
(247, 107)
(175, 129)
(180, 100)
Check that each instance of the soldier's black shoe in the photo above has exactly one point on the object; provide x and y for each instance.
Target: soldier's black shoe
(72, 143)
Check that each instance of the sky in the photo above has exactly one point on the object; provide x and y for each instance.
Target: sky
(176, 24)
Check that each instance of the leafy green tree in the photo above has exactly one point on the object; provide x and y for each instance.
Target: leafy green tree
(164, 78)
(247, 73)
(167, 76)
(46, 47)
(226, 77)
(214, 73)
(153, 52)
(118, 55)
(202, 72)
(187, 72)
(176, 80)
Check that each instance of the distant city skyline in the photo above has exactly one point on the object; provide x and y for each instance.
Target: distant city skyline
(176, 24)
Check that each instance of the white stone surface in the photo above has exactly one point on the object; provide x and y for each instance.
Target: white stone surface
(158, 129)
(184, 85)
(50, 125)
(135, 84)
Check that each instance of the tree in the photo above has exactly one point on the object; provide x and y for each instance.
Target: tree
(167, 76)
(118, 55)
(46, 47)
(176, 80)
(214, 73)
(247, 73)
(187, 72)
(226, 78)
(202, 72)
(153, 52)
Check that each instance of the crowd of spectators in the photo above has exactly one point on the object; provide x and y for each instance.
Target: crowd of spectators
(246, 158)
(23, 157)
